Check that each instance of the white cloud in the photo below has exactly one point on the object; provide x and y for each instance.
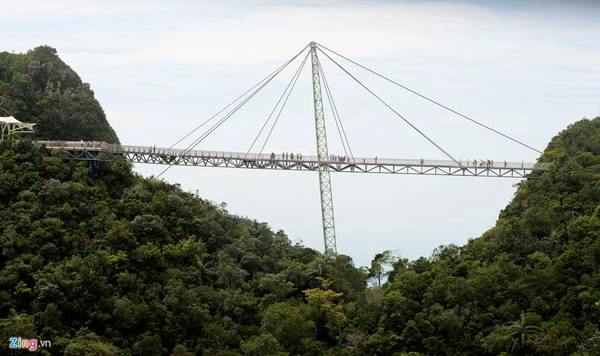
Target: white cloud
(272, 33)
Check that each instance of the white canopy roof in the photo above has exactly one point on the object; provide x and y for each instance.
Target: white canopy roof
(9, 120)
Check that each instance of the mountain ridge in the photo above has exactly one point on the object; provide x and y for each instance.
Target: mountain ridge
(39, 87)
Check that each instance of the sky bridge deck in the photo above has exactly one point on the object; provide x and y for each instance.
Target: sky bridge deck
(101, 151)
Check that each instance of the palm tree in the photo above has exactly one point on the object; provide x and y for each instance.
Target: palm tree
(520, 331)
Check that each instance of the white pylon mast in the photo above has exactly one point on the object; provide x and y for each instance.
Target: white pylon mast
(323, 156)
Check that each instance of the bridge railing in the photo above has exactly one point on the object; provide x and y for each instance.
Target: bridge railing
(286, 157)
(333, 159)
(80, 145)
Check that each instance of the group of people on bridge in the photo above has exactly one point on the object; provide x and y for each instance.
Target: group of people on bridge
(344, 159)
(480, 163)
(336, 158)
(483, 163)
(287, 156)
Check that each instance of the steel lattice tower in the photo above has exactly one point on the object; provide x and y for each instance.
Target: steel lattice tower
(323, 156)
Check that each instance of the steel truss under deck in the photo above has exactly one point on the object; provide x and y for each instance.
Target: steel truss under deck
(97, 151)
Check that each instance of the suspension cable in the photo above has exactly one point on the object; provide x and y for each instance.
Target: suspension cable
(233, 111)
(275, 72)
(394, 111)
(336, 115)
(228, 115)
(429, 99)
(216, 125)
(284, 102)
(292, 80)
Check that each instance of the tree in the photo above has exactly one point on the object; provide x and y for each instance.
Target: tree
(149, 344)
(287, 324)
(325, 306)
(262, 345)
(520, 331)
(380, 262)
(590, 346)
(90, 344)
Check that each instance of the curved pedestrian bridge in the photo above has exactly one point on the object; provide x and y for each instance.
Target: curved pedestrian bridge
(102, 151)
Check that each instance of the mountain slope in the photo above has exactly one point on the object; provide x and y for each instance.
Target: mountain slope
(137, 265)
(530, 285)
(39, 87)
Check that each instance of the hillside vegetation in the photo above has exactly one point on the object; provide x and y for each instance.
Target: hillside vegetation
(124, 265)
(137, 265)
(530, 285)
(39, 87)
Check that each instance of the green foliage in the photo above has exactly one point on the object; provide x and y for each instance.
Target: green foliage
(264, 344)
(17, 324)
(377, 271)
(39, 87)
(590, 346)
(90, 344)
(288, 323)
(324, 304)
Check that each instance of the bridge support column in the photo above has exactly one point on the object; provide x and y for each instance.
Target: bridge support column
(323, 156)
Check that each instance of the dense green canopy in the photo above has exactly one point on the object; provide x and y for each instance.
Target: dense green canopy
(530, 285)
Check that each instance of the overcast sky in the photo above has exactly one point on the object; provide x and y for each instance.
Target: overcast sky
(160, 68)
